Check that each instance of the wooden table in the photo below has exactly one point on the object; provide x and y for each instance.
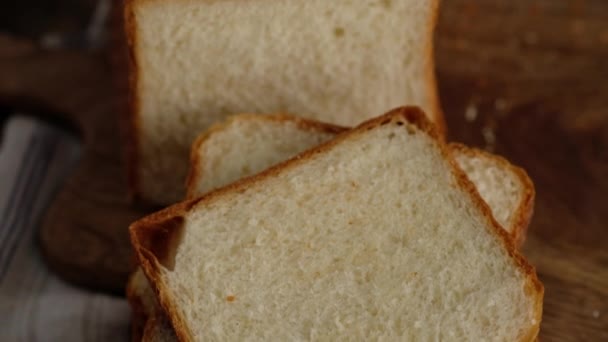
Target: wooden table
(526, 79)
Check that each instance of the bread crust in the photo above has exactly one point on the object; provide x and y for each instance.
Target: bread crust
(140, 230)
(525, 209)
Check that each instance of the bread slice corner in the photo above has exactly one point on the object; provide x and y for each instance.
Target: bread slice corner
(513, 206)
(262, 140)
(503, 296)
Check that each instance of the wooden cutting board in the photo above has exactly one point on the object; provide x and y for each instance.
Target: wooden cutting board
(528, 80)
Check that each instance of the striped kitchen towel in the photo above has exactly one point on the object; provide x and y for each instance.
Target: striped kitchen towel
(35, 305)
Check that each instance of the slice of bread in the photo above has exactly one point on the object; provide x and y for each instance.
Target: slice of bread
(376, 234)
(195, 62)
(246, 144)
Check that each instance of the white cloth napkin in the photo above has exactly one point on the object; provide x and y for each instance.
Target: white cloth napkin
(35, 305)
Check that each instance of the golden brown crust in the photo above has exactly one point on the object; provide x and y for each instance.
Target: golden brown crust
(195, 174)
(304, 123)
(151, 268)
(404, 116)
(163, 239)
(132, 120)
(523, 214)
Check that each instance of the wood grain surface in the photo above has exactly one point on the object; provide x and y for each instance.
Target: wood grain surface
(525, 79)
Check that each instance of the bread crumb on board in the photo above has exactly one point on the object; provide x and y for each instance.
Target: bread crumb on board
(470, 113)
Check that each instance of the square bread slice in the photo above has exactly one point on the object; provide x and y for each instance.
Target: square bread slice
(195, 62)
(375, 234)
(246, 144)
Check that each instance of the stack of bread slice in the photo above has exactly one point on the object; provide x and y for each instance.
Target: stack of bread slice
(295, 228)
(376, 232)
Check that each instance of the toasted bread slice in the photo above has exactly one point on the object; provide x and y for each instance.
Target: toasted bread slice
(375, 234)
(196, 62)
